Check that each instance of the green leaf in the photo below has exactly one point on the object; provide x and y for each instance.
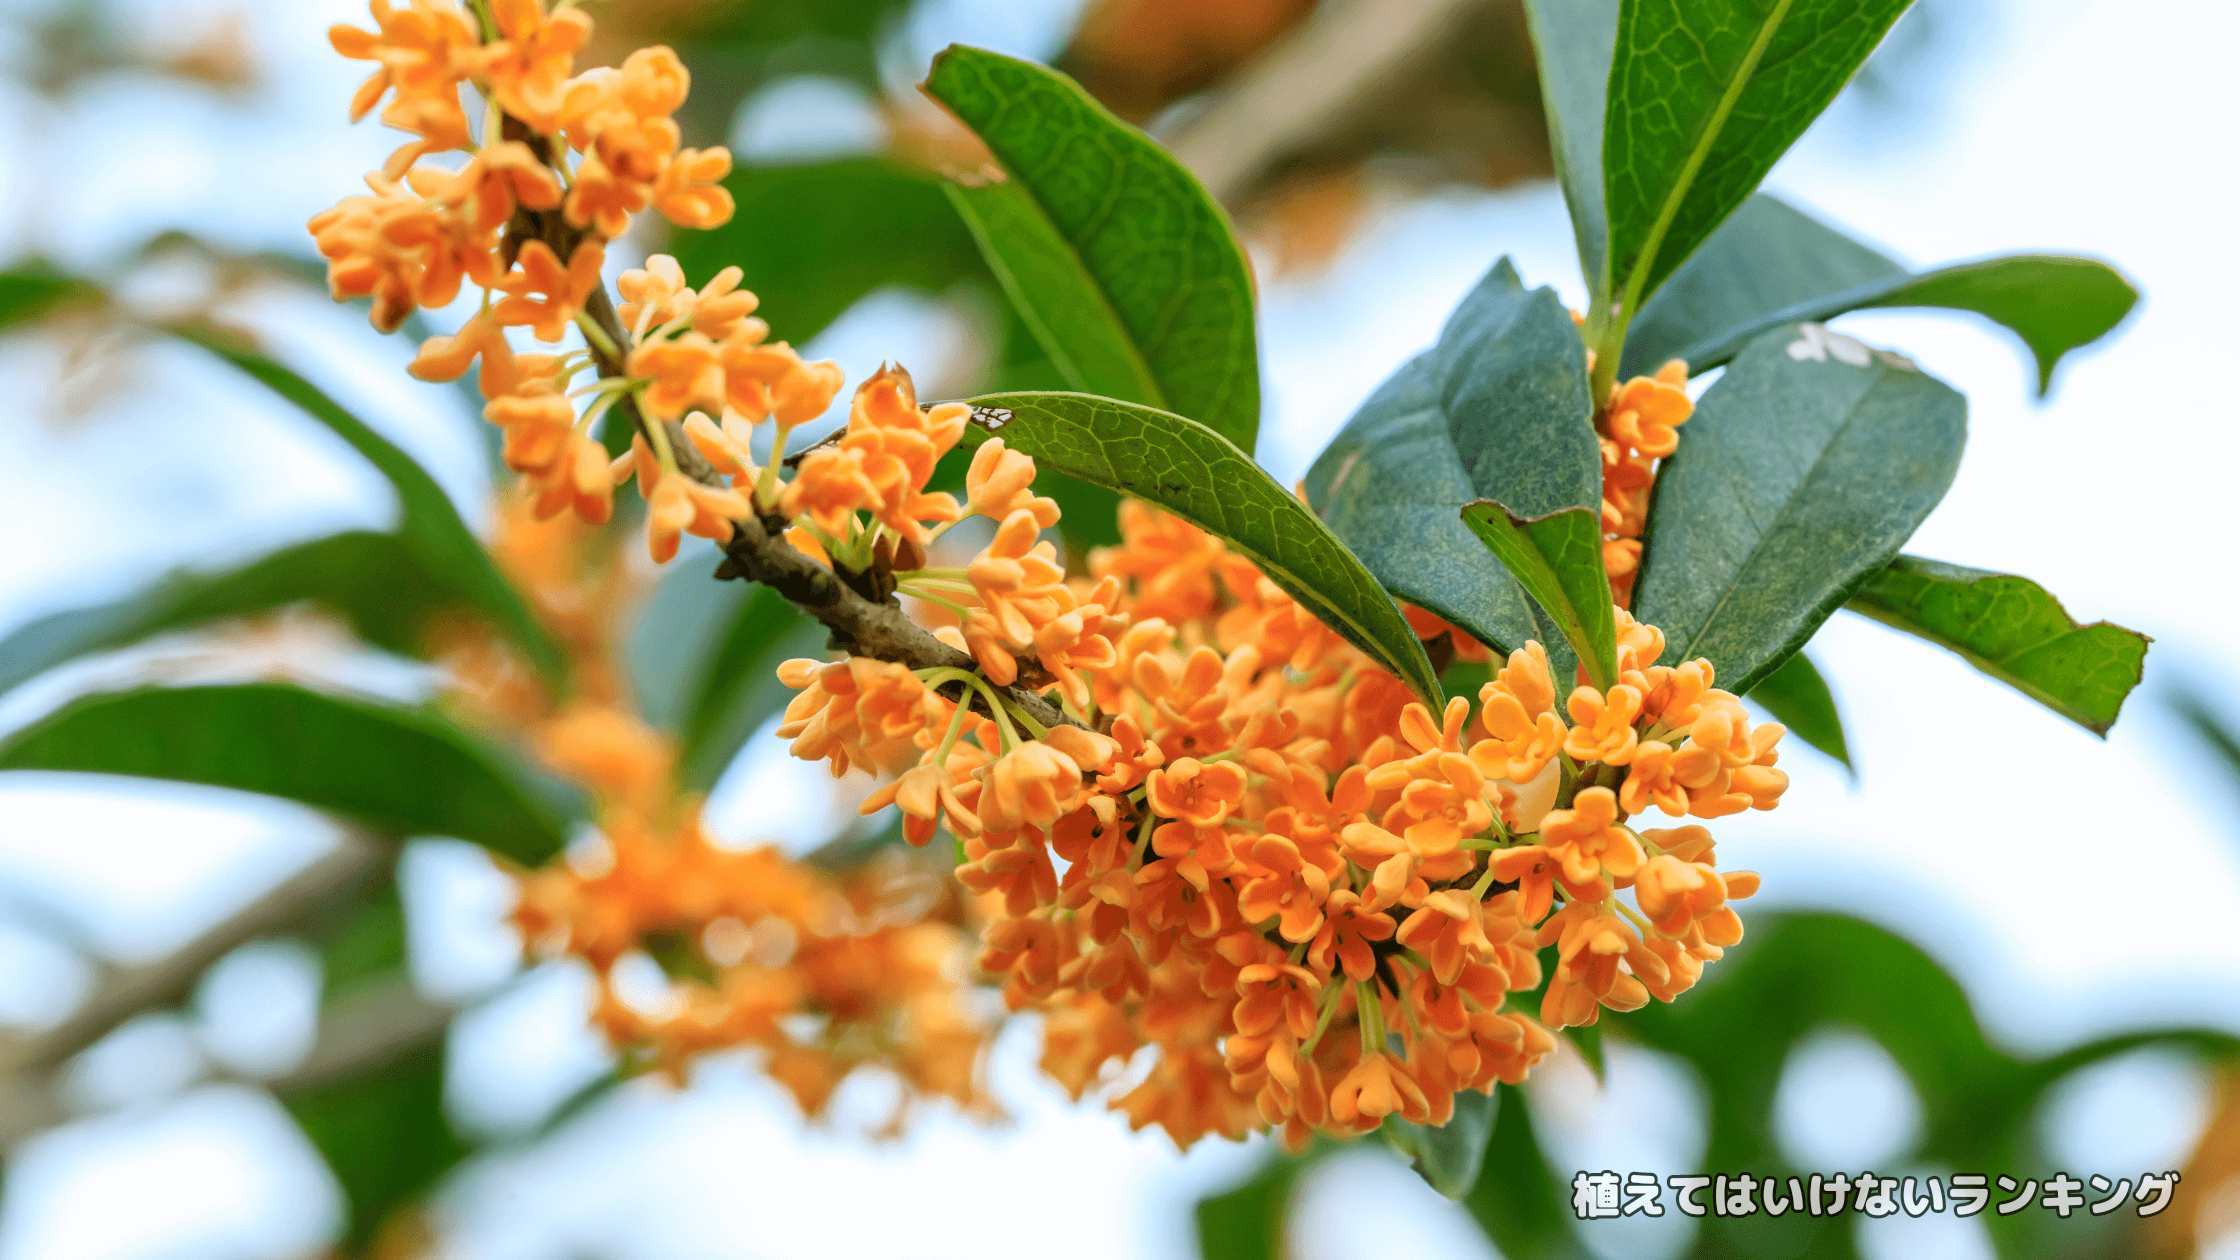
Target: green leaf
(1517, 1200)
(1187, 469)
(1497, 411)
(1587, 1040)
(430, 527)
(1575, 40)
(1798, 698)
(401, 771)
(1123, 266)
(1769, 256)
(367, 942)
(384, 1134)
(1804, 469)
(1771, 265)
(30, 289)
(816, 238)
(737, 686)
(375, 581)
(1704, 96)
(1448, 1156)
(2011, 629)
(1246, 1222)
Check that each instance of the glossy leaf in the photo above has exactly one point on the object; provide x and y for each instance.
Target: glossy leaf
(1107, 244)
(1447, 1156)
(1772, 265)
(1518, 1200)
(372, 580)
(1574, 40)
(400, 771)
(384, 1134)
(430, 527)
(1798, 698)
(2012, 629)
(815, 238)
(1497, 411)
(1187, 469)
(1704, 96)
(1803, 471)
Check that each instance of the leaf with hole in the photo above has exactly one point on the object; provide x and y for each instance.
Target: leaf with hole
(1496, 412)
(1803, 471)
(1772, 265)
(1124, 268)
(400, 771)
(1705, 95)
(2012, 629)
(1186, 468)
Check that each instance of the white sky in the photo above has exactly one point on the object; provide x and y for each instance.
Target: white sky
(1980, 826)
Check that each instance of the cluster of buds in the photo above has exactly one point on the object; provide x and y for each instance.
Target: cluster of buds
(1247, 844)
(821, 975)
(1638, 424)
(561, 163)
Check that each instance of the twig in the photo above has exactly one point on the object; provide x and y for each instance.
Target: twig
(1310, 81)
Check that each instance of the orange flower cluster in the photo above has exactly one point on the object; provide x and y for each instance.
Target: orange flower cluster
(751, 941)
(505, 217)
(1638, 425)
(1251, 847)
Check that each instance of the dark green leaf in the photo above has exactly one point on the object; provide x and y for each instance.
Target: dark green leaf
(373, 580)
(737, 683)
(1496, 411)
(1518, 1201)
(401, 771)
(430, 527)
(1574, 40)
(1804, 469)
(1187, 469)
(1771, 265)
(29, 290)
(384, 1134)
(1448, 1156)
(816, 238)
(1098, 226)
(1769, 256)
(2011, 629)
(1704, 96)
(1246, 1222)
(1798, 698)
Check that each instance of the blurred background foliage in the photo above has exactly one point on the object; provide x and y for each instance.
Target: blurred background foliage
(1381, 100)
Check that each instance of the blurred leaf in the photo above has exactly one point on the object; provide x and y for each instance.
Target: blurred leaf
(30, 289)
(1498, 411)
(429, 526)
(2012, 629)
(375, 581)
(1246, 1222)
(1187, 469)
(1574, 40)
(1783, 267)
(1805, 468)
(816, 238)
(1798, 698)
(401, 771)
(1704, 96)
(2212, 729)
(1517, 1201)
(1447, 1156)
(368, 943)
(1769, 256)
(1587, 1040)
(384, 1134)
(1107, 244)
(737, 686)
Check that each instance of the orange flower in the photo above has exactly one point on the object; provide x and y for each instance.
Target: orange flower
(1018, 579)
(1446, 929)
(1171, 560)
(997, 485)
(1034, 785)
(1378, 1086)
(498, 178)
(1277, 993)
(1586, 839)
(1348, 926)
(688, 193)
(1429, 625)
(528, 68)
(543, 294)
(1196, 792)
(1285, 887)
(1645, 412)
(683, 374)
(424, 51)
